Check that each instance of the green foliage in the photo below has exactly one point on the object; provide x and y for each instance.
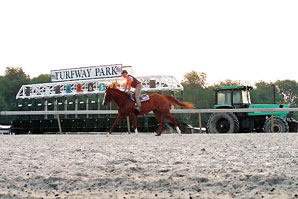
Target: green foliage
(229, 82)
(195, 89)
(194, 78)
(10, 84)
(289, 90)
(3, 104)
(263, 94)
(197, 92)
(43, 78)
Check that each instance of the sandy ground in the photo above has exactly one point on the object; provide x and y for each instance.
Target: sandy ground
(145, 166)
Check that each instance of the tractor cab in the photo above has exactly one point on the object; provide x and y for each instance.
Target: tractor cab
(232, 97)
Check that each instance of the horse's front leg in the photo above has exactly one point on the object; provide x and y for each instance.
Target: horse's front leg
(118, 119)
(133, 118)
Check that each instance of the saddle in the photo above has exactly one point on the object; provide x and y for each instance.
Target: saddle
(143, 97)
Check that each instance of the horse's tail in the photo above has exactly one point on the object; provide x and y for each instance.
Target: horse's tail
(175, 102)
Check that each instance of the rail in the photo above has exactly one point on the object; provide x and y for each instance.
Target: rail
(176, 111)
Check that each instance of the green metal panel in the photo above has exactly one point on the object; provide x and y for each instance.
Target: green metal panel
(233, 88)
(35, 126)
(26, 126)
(218, 106)
(53, 125)
(79, 125)
(103, 124)
(16, 126)
(278, 114)
(91, 125)
(45, 125)
(152, 124)
(67, 125)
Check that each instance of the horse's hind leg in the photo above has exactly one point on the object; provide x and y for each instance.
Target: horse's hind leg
(158, 115)
(170, 116)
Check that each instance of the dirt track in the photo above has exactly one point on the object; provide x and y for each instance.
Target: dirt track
(145, 166)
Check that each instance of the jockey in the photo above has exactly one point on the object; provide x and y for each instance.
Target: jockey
(131, 81)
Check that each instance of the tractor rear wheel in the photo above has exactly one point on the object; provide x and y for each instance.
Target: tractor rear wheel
(279, 125)
(223, 123)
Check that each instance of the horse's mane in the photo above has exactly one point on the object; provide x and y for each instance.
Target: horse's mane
(118, 91)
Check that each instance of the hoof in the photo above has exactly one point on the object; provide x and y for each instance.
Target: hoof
(159, 134)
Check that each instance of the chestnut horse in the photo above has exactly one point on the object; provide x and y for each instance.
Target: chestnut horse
(159, 104)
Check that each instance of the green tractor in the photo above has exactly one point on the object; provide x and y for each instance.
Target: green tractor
(235, 97)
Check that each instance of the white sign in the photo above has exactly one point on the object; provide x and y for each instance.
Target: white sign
(92, 72)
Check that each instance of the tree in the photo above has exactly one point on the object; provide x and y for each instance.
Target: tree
(289, 90)
(197, 92)
(3, 104)
(195, 88)
(43, 78)
(194, 78)
(229, 82)
(263, 94)
(10, 84)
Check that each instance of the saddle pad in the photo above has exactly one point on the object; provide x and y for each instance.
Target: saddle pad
(143, 97)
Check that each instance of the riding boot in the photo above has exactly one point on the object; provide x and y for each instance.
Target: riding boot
(139, 108)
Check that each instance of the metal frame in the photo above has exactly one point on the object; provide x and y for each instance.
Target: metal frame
(48, 90)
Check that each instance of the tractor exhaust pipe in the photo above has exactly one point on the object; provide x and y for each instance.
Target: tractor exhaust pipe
(274, 93)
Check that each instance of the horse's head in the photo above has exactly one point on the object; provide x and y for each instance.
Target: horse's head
(107, 96)
(112, 94)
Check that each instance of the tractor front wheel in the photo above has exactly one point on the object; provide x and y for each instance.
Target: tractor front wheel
(223, 123)
(279, 125)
